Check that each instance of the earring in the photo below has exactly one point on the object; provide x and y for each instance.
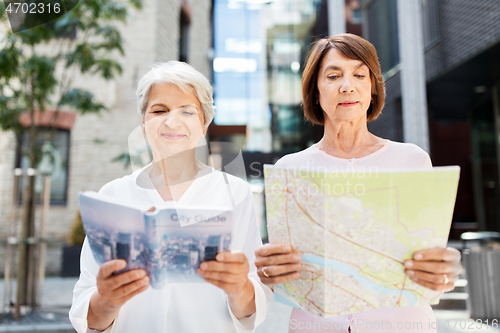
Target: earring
(143, 129)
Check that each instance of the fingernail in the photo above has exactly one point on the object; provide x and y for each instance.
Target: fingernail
(418, 256)
(287, 248)
(297, 266)
(145, 280)
(414, 279)
(220, 257)
(410, 273)
(264, 250)
(297, 257)
(408, 264)
(203, 266)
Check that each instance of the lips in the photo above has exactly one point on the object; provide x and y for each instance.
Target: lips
(348, 103)
(173, 136)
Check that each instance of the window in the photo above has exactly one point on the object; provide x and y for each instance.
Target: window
(383, 31)
(430, 22)
(184, 36)
(55, 157)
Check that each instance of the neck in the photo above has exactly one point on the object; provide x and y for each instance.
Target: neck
(346, 138)
(174, 169)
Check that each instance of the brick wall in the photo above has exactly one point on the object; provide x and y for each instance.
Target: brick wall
(466, 28)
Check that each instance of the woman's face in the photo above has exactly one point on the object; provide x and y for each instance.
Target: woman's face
(173, 120)
(344, 87)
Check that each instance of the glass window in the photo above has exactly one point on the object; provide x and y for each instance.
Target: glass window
(54, 160)
(383, 31)
(184, 37)
(430, 22)
(260, 48)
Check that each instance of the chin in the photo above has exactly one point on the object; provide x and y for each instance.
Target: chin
(174, 148)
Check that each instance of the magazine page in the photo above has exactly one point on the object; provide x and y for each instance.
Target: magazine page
(180, 239)
(114, 229)
(354, 231)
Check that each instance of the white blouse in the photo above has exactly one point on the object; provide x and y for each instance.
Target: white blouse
(181, 307)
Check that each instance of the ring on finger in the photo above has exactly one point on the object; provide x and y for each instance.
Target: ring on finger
(446, 280)
(264, 272)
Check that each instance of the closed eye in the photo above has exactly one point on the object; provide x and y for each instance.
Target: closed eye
(359, 76)
(333, 77)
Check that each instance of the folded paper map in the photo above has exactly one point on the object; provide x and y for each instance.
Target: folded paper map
(354, 231)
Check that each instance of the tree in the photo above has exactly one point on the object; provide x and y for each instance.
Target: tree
(38, 67)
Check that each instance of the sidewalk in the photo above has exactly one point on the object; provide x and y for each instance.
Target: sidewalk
(56, 300)
(52, 317)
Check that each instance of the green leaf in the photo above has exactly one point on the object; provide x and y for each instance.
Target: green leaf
(2, 11)
(123, 158)
(10, 58)
(107, 68)
(83, 56)
(40, 71)
(82, 101)
(9, 113)
(112, 39)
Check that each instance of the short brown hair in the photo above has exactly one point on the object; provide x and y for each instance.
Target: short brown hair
(352, 47)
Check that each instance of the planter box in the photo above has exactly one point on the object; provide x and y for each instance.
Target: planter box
(71, 261)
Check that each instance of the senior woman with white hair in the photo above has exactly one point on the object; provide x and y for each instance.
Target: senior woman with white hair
(176, 105)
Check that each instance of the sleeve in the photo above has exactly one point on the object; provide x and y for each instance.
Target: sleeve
(426, 163)
(86, 284)
(84, 289)
(246, 239)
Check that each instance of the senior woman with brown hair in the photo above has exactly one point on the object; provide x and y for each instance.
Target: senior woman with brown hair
(343, 90)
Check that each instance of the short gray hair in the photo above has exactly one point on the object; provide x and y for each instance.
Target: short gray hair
(183, 76)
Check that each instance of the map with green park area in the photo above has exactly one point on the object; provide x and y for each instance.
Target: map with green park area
(354, 231)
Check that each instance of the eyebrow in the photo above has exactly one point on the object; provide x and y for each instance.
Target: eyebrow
(336, 68)
(166, 107)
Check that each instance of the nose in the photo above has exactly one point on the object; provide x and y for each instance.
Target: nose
(172, 119)
(346, 85)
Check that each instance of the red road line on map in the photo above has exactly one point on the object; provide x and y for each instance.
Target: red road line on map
(401, 294)
(381, 189)
(334, 233)
(329, 313)
(360, 270)
(321, 275)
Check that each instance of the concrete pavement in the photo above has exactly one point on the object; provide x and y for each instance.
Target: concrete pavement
(57, 293)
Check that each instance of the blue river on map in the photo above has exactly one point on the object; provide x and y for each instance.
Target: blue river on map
(348, 270)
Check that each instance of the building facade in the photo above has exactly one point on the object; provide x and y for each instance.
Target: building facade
(161, 31)
(460, 44)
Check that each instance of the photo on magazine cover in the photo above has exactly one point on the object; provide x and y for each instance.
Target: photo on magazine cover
(169, 243)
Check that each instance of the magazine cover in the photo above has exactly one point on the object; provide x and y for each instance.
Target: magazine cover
(169, 242)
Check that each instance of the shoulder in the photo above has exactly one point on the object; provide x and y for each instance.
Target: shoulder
(408, 149)
(119, 186)
(237, 185)
(410, 152)
(220, 186)
(295, 159)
